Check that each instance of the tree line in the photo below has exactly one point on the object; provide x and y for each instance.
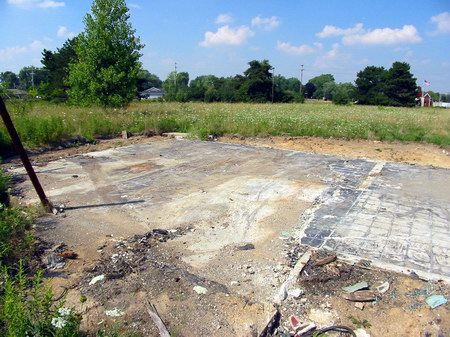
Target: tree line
(101, 67)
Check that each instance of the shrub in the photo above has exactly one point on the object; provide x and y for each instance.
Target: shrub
(27, 309)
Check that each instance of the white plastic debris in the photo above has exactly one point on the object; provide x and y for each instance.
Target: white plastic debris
(97, 279)
(114, 312)
(200, 290)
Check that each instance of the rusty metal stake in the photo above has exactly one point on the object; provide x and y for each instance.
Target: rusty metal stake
(24, 157)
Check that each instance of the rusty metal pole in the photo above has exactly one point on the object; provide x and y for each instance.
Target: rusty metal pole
(24, 157)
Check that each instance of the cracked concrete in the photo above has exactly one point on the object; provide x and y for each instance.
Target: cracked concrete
(397, 215)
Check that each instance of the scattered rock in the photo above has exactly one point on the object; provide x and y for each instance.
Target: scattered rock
(360, 305)
(96, 279)
(114, 312)
(295, 293)
(361, 333)
(248, 246)
(200, 290)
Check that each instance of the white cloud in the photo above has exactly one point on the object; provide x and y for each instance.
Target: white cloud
(302, 49)
(11, 53)
(442, 22)
(223, 19)
(27, 4)
(64, 32)
(328, 31)
(36, 45)
(226, 35)
(266, 23)
(380, 36)
(51, 4)
(385, 36)
(333, 53)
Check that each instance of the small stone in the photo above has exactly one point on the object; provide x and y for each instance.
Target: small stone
(359, 305)
(234, 283)
(96, 279)
(200, 290)
(296, 293)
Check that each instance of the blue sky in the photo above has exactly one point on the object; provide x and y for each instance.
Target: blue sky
(221, 36)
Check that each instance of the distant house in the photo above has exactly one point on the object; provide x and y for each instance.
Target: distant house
(426, 100)
(152, 93)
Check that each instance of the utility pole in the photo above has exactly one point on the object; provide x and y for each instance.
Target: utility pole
(24, 157)
(273, 82)
(175, 77)
(301, 81)
(32, 76)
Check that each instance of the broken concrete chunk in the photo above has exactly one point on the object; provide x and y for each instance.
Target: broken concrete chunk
(200, 290)
(361, 333)
(295, 293)
(361, 296)
(97, 279)
(356, 287)
(435, 301)
(360, 305)
(114, 312)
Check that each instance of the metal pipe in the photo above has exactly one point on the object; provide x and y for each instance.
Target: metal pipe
(24, 157)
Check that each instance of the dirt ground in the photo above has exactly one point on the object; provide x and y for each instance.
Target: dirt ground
(149, 267)
(403, 152)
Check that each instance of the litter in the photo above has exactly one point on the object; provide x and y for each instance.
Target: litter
(383, 287)
(97, 279)
(361, 296)
(114, 313)
(356, 287)
(200, 290)
(435, 301)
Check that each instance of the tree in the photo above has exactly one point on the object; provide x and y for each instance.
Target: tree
(146, 80)
(371, 85)
(258, 82)
(108, 57)
(401, 86)
(32, 77)
(176, 87)
(344, 93)
(319, 82)
(329, 89)
(57, 65)
(309, 89)
(9, 80)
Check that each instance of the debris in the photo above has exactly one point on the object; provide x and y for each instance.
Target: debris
(68, 255)
(161, 231)
(309, 327)
(125, 134)
(97, 279)
(234, 283)
(360, 305)
(361, 333)
(364, 264)
(325, 260)
(322, 317)
(382, 288)
(295, 322)
(248, 246)
(295, 293)
(200, 290)
(75, 176)
(114, 312)
(54, 261)
(272, 324)
(361, 296)
(356, 287)
(435, 301)
(154, 315)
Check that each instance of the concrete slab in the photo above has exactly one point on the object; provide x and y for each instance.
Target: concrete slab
(397, 215)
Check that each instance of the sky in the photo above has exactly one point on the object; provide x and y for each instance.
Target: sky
(220, 37)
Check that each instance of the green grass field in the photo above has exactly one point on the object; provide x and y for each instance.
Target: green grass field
(42, 123)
